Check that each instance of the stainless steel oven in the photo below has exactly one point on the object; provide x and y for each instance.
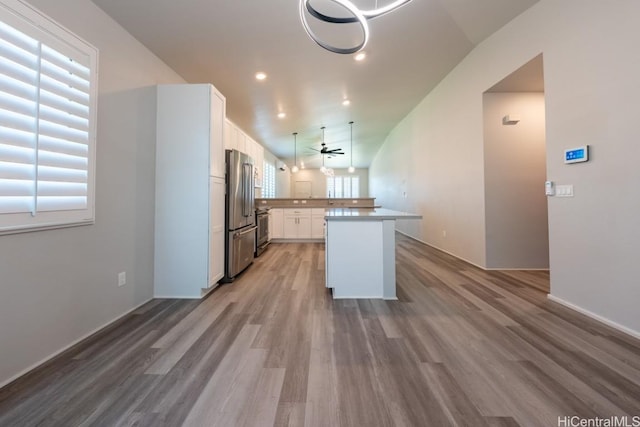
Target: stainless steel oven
(262, 232)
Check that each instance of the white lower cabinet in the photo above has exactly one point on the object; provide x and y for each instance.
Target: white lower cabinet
(276, 224)
(216, 230)
(297, 223)
(317, 223)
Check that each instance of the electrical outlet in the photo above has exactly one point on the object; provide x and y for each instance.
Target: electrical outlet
(444, 233)
(122, 278)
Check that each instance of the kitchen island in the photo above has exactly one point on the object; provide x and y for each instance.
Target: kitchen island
(360, 253)
(302, 220)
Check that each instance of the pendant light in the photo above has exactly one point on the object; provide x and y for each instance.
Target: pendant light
(295, 169)
(323, 169)
(351, 168)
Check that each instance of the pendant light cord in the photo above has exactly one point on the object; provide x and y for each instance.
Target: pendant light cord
(351, 168)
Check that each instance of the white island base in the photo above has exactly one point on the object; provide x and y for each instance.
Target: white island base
(360, 255)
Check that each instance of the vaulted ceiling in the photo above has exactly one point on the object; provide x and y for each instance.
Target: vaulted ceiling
(226, 42)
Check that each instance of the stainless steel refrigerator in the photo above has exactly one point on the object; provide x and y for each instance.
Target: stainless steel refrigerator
(240, 215)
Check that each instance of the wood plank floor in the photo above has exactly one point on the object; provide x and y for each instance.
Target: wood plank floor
(461, 347)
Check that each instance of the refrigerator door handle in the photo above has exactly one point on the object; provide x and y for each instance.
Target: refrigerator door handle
(242, 233)
(250, 210)
(246, 190)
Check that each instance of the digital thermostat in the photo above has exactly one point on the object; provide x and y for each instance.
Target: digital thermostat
(577, 155)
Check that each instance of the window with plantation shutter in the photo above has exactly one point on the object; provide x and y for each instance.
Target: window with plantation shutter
(268, 180)
(47, 122)
(343, 187)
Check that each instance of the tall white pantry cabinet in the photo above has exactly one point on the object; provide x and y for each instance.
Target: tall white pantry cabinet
(190, 187)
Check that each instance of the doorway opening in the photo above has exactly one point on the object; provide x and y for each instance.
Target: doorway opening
(515, 164)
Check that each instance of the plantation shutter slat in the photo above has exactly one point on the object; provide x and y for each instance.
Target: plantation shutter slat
(60, 103)
(63, 61)
(63, 146)
(17, 80)
(57, 88)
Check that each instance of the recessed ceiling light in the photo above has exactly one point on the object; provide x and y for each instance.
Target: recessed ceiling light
(282, 115)
(346, 102)
(260, 75)
(360, 56)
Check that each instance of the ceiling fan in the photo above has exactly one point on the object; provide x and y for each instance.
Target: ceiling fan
(325, 151)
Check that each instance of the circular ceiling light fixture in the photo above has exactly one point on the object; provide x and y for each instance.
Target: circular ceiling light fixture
(260, 75)
(282, 115)
(358, 16)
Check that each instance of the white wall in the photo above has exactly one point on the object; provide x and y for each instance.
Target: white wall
(283, 183)
(319, 180)
(59, 285)
(432, 164)
(591, 88)
(515, 168)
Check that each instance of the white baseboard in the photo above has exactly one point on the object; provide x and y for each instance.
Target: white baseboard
(472, 263)
(364, 297)
(608, 322)
(441, 250)
(611, 323)
(179, 296)
(62, 350)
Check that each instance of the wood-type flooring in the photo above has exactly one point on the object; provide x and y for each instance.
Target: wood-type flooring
(461, 347)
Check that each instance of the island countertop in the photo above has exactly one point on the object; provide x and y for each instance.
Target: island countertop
(360, 214)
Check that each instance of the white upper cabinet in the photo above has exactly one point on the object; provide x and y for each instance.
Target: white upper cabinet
(241, 140)
(217, 123)
(259, 163)
(236, 139)
(249, 147)
(228, 135)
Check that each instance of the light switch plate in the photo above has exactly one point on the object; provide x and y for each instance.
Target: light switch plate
(564, 190)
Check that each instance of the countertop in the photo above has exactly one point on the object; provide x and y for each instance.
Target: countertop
(356, 202)
(361, 214)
